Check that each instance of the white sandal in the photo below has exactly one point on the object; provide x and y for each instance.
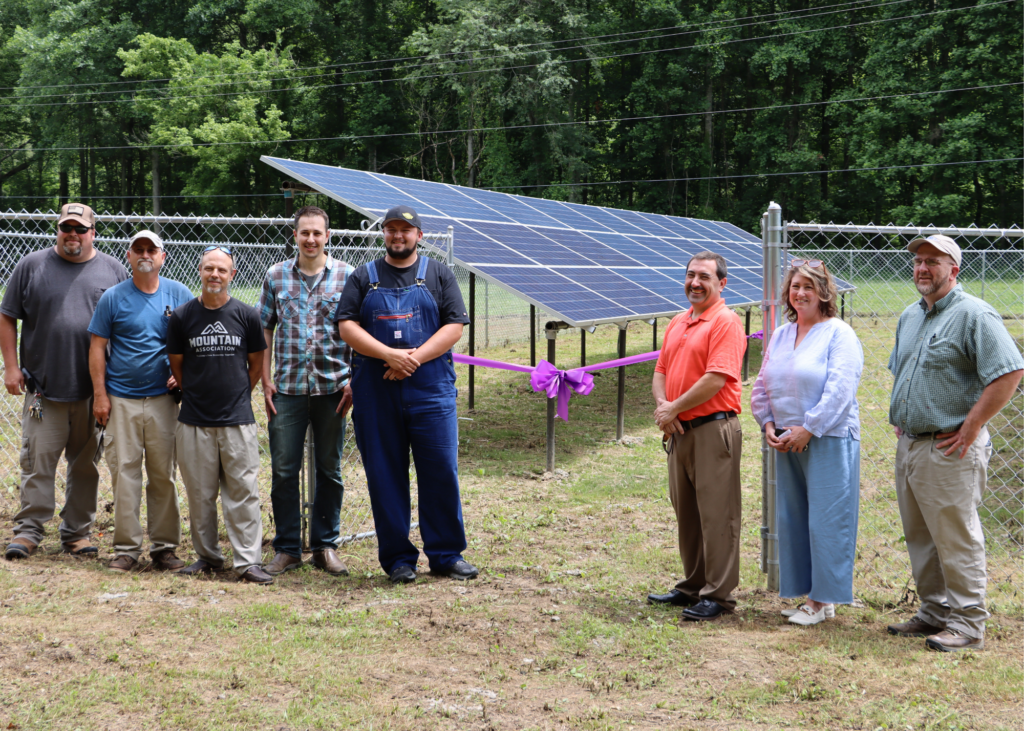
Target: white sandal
(806, 616)
(830, 611)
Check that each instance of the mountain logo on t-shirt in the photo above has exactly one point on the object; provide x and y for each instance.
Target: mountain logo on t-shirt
(215, 329)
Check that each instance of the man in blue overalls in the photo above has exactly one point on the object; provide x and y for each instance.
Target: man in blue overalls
(401, 315)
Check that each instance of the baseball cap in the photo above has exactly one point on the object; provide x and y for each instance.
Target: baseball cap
(943, 243)
(402, 213)
(77, 212)
(149, 235)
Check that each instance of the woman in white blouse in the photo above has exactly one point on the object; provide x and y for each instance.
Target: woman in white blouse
(805, 399)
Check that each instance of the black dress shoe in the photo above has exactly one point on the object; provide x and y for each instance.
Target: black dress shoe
(675, 597)
(199, 567)
(461, 570)
(402, 574)
(704, 609)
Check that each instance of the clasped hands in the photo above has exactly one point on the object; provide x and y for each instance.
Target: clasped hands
(795, 441)
(401, 364)
(665, 414)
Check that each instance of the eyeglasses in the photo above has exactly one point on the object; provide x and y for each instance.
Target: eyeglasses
(215, 247)
(812, 263)
(67, 228)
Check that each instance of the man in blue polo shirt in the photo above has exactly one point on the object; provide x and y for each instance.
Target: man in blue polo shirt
(132, 399)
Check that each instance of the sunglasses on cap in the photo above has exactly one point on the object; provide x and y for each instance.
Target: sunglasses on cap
(218, 247)
(812, 263)
(69, 227)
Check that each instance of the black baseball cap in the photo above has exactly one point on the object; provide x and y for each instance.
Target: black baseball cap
(402, 213)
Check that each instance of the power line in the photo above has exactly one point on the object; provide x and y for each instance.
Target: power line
(516, 67)
(752, 175)
(866, 4)
(348, 138)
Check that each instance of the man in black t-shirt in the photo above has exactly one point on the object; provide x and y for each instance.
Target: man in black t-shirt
(215, 344)
(401, 315)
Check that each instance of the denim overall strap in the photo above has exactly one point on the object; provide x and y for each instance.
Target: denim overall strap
(421, 273)
(371, 273)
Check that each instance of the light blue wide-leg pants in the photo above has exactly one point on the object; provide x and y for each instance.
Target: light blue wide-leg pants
(818, 499)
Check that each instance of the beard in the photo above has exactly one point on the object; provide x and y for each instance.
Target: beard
(145, 267)
(72, 248)
(214, 288)
(400, 255)
(930, 286)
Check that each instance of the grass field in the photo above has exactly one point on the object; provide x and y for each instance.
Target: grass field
(555, 634)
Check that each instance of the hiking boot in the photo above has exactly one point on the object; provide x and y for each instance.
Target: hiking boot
(953, 640)
(914, 627)
(123, 563)
(20, 548)
(165, 560)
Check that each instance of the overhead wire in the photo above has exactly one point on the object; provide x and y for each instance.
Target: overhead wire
(858, 5)
(512, 68)
(610, 120)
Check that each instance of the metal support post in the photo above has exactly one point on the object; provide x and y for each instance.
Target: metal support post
(551, 334)
(773, 248)
(487, 315)
(654, 334)
(746, 353)
(533, 336)
(472, 337)
(451, 246)
(583, 346)
(620, 418)
(307, 489)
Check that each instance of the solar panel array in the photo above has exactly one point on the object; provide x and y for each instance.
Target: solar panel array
(585, 264)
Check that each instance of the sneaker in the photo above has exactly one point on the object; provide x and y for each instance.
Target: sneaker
(123, 563)
(402, 574)
(830, 611)
(915, 627)
(282, 562)
(165, 560)
(953, 640)
(461, 570)
(806, 616)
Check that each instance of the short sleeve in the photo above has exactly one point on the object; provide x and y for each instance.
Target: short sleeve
(13, 296)
(255, 342)
(726, 346)
(352, 295)
(268, 304)
(102, 318)
(662, 365)
(452, 307)
(995, 352)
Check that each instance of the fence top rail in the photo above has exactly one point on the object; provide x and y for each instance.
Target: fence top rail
(992, 232)
(158, 218)
(902, 250)
(335, 233)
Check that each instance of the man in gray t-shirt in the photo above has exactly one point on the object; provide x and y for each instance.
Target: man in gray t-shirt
(54, 293)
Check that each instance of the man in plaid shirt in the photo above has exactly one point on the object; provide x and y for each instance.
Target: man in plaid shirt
(309, 387)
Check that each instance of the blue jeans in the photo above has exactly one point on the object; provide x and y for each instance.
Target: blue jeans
(287, 434)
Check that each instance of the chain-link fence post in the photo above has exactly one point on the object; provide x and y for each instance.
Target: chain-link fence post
(772, 243)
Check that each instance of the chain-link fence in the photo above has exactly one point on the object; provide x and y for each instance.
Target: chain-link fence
(876, 261)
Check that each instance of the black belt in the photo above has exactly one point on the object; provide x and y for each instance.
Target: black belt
(702, 420)
(931, 434)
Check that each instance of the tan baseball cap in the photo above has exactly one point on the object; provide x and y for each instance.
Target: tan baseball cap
(943, 243)
(149, 236)
(77, 212)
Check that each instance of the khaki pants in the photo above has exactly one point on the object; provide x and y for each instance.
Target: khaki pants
(68, 428)
(704, 484)
(939, 498)
(225, 460)
(143, 428)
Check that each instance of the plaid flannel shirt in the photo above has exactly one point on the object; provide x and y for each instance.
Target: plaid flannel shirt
(310, 358)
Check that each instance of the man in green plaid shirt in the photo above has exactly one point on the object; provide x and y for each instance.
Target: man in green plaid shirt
(309, 387)
(955, 367)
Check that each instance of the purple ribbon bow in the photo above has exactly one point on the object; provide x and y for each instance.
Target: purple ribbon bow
(561, 385)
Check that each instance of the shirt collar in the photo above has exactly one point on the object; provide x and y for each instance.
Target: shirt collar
(327, 266)
(951, 296)
(708, 313)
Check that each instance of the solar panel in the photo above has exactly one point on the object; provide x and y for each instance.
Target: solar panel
(585, 264)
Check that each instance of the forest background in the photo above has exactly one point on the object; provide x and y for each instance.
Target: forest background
(706, 109)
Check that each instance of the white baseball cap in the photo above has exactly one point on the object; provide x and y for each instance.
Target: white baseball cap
(943, 243)
(149, 236)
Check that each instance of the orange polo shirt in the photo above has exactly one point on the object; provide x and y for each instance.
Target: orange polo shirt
(714, 342)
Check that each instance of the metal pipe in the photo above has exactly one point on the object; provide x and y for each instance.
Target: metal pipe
(472, 338)
(551, 334)
(620, 417)
(746, 352)
(654, 334)
(773, 250)
(583, 346)
(533, 336)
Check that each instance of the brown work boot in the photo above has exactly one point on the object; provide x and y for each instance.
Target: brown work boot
(20, 547)
(914, 627)
(165, 560)
(123, 563)
(953, 640)
(282, 562)
(327, 559)
(81, 548)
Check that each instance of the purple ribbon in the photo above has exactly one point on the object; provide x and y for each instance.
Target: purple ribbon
(555, 383)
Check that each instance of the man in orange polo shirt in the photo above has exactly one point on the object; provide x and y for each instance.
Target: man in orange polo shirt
(697, 391)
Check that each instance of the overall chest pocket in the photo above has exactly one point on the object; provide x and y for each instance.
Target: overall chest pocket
(392, 326)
